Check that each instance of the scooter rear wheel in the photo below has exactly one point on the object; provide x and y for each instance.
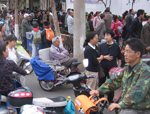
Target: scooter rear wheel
(46, 85)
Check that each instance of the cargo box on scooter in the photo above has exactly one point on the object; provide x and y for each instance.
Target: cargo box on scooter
(20, 96)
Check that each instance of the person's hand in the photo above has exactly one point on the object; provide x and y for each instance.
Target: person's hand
(99, 59)
(148, 48)
(94, 93)
(113, 106)
(108, 57)
(27, 72)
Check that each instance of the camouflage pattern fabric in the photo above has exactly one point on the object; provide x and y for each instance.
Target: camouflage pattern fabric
(135, 86)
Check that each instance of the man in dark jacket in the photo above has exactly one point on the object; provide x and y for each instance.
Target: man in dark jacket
(26, 27)
(136, 26)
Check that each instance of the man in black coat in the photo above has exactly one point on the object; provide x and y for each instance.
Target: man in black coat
(136, 26)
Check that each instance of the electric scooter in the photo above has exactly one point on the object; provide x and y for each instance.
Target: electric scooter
(23, 57)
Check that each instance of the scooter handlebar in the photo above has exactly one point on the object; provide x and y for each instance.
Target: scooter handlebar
(91, 76)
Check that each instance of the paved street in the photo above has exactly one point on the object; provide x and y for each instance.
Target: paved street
(64, 90)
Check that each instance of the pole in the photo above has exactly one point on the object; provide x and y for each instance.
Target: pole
(79, 30)
(16, 19)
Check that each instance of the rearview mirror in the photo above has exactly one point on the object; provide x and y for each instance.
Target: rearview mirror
(85, 63)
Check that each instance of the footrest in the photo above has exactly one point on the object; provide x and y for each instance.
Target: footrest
(50, 102)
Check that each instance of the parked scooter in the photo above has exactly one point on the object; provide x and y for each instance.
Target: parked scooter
(24, 96)
(23, 58)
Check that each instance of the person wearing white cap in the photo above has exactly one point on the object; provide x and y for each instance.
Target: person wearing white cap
(26, 27)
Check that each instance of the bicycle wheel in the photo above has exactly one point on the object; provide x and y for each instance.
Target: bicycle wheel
(46, 85)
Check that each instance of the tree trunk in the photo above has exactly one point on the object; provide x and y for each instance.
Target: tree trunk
(16, 19)
(55, 20)
(79, 30)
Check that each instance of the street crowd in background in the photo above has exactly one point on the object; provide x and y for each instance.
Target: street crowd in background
(105, 27)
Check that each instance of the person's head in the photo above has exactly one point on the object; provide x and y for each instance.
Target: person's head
(86, 15)
(68, 10)
(140, 13)
(56, 41)
(26, 16)
(149, 19)
(90, 16)
(115, 17)
(3, 51)
(91, 38)
(145, 17)
(46, 23)
(47, 12)
(134, 50)
(11, 41)
(91, 12)
(106, 11)
(98, 13)
(124, 14)
(39, 13)
(109, 35)
(2, 28)
(131, 11)
(35, 25)
(23, 12)
(103, 16)
(108, 8)
(71, 13)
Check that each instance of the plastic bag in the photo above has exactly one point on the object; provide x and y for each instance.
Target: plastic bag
(69, 109)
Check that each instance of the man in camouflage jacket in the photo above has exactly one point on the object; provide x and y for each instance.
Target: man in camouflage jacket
(134, 81)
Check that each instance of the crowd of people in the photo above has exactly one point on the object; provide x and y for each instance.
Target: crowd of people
(123, 40)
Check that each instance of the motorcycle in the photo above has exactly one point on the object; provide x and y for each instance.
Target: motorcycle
(48, 76)
(23, 58)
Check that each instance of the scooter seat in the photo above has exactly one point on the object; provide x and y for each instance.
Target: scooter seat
(76, 63)
(50, 102)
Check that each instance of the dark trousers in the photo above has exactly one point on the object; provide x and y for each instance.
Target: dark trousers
(101, 81)
(24, 42)
(69, 64)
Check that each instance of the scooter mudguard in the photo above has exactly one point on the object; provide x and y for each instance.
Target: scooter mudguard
(22, 50)
(31, 109)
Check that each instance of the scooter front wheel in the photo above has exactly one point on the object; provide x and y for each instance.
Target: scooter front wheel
(46, 85)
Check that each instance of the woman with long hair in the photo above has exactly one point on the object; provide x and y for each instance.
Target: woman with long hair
(91, 53)
(6, 69)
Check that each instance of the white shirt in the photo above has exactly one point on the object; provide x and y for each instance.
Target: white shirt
(12, 55)
(92, 46)
(70, 23)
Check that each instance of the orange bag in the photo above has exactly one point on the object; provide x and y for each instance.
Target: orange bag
(86, 105)
(49, 34)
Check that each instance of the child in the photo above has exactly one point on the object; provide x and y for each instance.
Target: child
(46, 43)
(36, 39)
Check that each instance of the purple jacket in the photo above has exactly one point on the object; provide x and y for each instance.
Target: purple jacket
(7, 67)
(58, 54)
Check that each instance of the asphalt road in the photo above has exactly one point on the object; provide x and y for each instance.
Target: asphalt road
(63, 90)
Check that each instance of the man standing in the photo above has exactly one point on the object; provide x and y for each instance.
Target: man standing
(134, 81)
(61, 55)
(136, 26)
(26, 27)
(49, 18)
(145, 35)
(101, 27)
(108, 20)
(70, 22)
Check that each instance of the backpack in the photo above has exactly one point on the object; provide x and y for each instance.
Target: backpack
(37, 37)
(118, 28)
(49, 34)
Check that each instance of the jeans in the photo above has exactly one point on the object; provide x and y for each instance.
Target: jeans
(133, 111)
(34, 50)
